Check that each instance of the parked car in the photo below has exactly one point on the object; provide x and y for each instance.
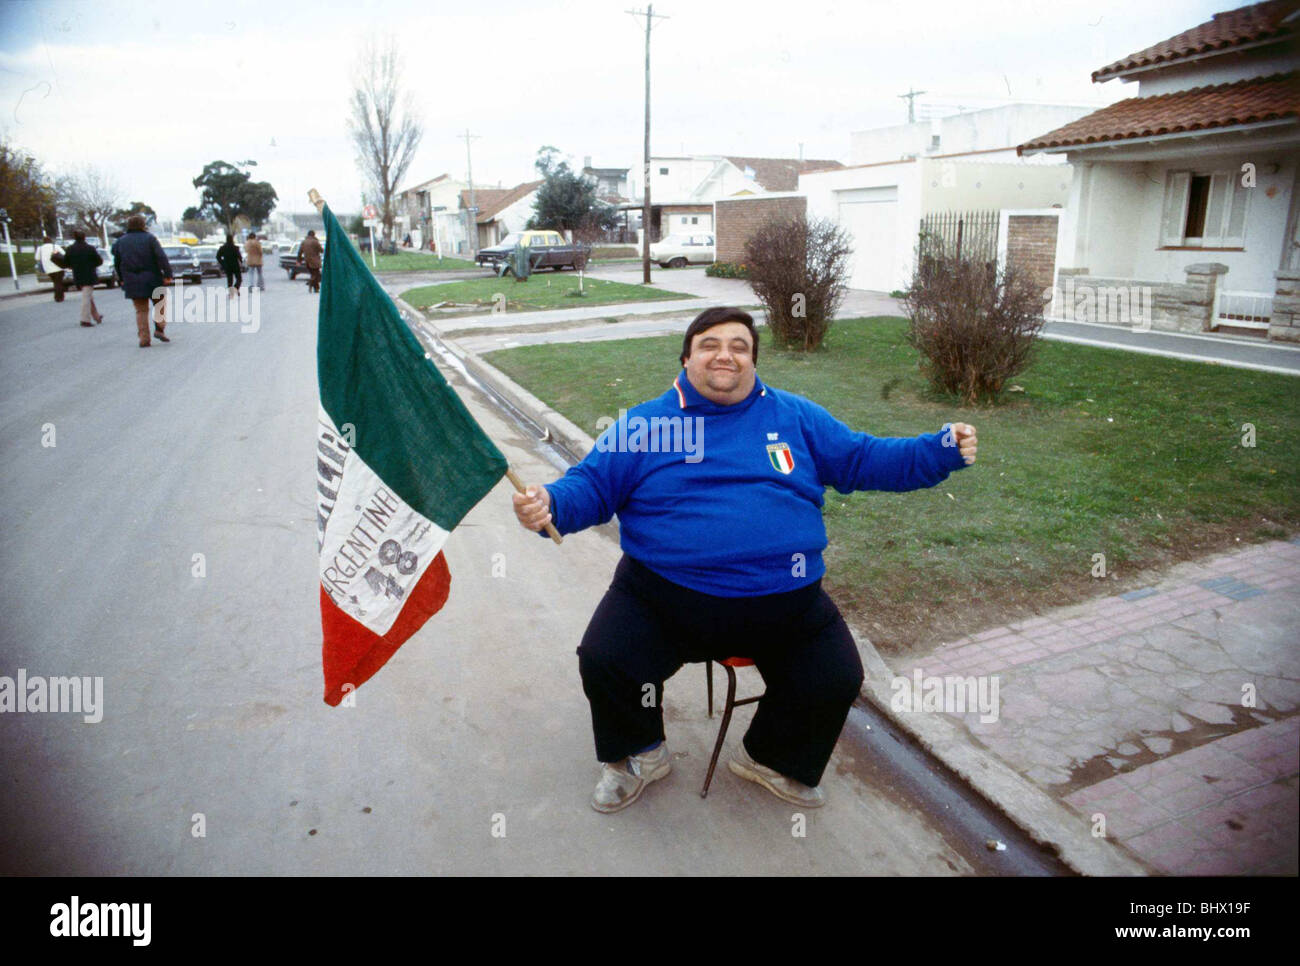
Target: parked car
(103, 272)
(185, 264)
(208, 261)
(546, 249)
(676, 251)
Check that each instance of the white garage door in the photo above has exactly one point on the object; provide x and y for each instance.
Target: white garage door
(873, 224)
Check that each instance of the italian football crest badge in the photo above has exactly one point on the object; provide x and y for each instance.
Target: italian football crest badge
(778, 454)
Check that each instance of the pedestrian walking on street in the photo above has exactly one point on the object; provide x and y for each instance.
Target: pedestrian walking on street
(142, 265)
(83, 259)
(309, 253)
(50, 259)
(228, 259)
(253, 256)
(722, 534)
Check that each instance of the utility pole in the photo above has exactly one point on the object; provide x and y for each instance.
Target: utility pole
(910, 96)
(473, 206)
(645, 206)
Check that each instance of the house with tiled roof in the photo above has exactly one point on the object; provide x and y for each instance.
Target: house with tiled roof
(1185, 196)
(683, 188)
(499, 210)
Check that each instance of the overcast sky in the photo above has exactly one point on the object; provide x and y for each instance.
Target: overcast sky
(150, 92)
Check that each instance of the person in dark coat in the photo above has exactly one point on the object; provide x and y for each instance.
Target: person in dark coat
(142, 265)
(229, 259)
(309, 252)
(83, 260)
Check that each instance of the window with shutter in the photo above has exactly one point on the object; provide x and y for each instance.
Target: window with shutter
(1174, 216)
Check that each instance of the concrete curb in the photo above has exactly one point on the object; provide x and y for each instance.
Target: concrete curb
(558, 428)
(1045, 820)
(1042, 818)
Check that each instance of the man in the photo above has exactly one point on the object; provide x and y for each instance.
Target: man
(723, 557)
(229, 260)
(142, 265)
(253, 255)
(310, 252)
(46, 256)
(83, 260)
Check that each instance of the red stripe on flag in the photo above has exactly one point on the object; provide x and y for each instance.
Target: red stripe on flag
(352, 653)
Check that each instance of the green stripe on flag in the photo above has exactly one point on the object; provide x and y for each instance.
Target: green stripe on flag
(409, 426)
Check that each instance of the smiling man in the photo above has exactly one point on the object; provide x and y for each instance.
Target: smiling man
(723, 558)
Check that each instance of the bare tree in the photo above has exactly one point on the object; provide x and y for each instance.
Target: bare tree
(385, 136)
(89, 197)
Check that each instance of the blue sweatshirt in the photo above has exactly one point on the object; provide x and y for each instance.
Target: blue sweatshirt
(726, 499)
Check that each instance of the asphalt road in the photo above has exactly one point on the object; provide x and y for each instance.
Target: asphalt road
(469, 753)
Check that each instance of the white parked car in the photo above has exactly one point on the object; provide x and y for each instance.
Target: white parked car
(676, 251)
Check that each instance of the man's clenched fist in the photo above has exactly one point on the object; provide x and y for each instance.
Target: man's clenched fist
(964, 435)
(533, 507)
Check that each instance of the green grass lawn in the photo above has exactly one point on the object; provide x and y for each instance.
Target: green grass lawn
(25, 262)
(545, 290)
(1136, 457)
(416, 262)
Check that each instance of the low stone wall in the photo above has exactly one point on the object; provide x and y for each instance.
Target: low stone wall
(1284, 326)
(1137, 303)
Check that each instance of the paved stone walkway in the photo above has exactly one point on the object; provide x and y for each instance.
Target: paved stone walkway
(1166, 718)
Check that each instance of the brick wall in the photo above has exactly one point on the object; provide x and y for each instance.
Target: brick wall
(1031, 247)
(738, 218)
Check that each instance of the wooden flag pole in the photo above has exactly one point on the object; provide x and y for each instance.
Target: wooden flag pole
(513, 477)
(314, 196)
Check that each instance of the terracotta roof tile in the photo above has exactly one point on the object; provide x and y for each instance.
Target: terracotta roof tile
(1232, 28)
(780, 174)
(1200, 108)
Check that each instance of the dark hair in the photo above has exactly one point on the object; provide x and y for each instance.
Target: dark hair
(135, 223)
(230, 239)
(718, 315)
(78, 236)
(46, 240)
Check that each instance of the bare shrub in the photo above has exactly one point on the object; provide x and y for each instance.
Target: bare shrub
(798, 268)
(975, 326)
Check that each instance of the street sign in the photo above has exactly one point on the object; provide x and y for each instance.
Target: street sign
(371, 222)
(370, 212)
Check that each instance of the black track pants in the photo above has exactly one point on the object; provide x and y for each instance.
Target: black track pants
(646, 627)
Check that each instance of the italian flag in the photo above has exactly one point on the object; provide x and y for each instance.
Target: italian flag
(399, 462)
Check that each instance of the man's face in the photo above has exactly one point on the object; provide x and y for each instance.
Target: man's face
(721, 363)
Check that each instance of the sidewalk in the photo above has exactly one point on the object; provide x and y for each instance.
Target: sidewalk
(1166, 716)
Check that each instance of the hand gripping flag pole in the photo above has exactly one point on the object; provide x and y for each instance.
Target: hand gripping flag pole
(399, 463)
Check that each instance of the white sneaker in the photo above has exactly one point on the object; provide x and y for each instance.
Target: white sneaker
(786, 789)
(622, 782)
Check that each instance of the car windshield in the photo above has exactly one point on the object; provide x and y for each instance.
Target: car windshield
(510, 241)
(176, 251)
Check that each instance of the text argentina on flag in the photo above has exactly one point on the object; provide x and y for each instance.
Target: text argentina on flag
(399, 463)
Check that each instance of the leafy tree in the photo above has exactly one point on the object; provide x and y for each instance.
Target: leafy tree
(193, 223)
(229, 193)
(25, 192)
(566, 201)
(135, 208)
(385, 137)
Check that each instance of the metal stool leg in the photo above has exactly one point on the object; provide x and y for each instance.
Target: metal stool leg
(722, 730)
(708, 671)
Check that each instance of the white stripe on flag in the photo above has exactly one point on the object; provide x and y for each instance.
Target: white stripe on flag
(375, 547)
